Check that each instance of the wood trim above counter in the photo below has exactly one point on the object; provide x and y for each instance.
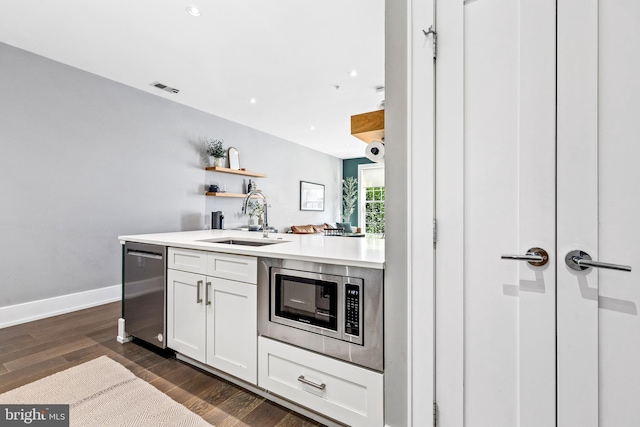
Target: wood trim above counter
(368, 126)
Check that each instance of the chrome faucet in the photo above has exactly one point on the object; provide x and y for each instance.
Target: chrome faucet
(265, 222)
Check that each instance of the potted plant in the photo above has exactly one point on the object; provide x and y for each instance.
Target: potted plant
(216, 150)
(349, 197)
(255, 212)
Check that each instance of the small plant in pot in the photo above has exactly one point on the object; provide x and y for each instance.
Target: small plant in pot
(349, 197)
(256, 212)
(216, 150)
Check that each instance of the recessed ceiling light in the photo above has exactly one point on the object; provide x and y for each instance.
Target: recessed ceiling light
(353, 73)
(252, 100)
(312, 128)
(193, 11)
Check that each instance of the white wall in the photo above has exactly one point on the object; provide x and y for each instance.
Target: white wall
(409, 182)
(396, 279)
(85, 159)
(286, 164)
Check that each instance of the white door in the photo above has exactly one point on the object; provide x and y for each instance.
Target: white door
(598, 211)
(497, 359)
(505, 189)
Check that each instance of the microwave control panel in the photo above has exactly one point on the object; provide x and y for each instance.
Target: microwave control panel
(352, 310)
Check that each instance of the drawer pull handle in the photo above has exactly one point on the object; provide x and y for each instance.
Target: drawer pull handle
(302, 379)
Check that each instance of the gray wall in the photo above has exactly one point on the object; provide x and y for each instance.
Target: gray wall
(286, 164)
(85, 159)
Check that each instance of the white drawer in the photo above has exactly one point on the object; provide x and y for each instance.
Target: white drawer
(226, 266)
(187, 260)
(233, 267)
(351, 395)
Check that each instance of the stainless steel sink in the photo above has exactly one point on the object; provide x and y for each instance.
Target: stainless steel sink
(243, 242)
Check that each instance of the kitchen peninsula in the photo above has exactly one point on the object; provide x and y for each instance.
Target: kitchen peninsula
(295, 318)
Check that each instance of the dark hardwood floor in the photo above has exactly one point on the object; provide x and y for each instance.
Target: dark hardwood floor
(37, 349)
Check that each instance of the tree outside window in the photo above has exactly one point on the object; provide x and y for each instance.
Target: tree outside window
(371, 199)
(374, 210)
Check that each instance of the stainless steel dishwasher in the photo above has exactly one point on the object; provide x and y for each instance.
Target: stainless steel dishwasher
(145, 287)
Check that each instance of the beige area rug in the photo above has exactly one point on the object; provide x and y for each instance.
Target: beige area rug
(104, 393)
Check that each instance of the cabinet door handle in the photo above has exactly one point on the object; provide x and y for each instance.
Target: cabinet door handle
(302, 379)
(206, 293)
(198, 299)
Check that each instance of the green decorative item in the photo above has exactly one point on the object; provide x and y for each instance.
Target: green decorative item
(349, 197)
(215, 149)
(255, 209)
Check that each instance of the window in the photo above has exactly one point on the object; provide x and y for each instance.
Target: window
(374, 210)
(371, 196)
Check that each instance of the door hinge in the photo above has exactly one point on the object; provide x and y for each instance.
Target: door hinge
(435, 230)
(435, 414)
(434, 33)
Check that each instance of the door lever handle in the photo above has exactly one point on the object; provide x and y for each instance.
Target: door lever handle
(579, 260)
(534, 256)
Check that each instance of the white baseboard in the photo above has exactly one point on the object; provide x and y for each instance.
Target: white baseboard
(35, 310)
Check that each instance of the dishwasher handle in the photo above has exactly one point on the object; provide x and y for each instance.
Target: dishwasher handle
(144, 254)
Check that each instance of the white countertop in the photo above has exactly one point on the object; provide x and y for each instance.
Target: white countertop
(355, 251)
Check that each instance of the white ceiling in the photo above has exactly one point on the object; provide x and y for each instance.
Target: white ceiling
(289, 55)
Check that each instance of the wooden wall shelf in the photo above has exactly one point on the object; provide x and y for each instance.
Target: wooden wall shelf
(236, 195)
(236, 172)
(368, 126)
(233, 195)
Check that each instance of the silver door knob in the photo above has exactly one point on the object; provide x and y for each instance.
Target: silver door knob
(579, 260)
(534, 256)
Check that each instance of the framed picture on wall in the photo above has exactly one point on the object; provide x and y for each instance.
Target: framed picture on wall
(311, 196)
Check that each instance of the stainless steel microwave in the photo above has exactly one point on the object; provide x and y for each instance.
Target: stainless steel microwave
(334, 310)
(324, 304)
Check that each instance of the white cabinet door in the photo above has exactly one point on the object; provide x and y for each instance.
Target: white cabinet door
(210, 318)
(186, 313)
(232, 328)
(598, 211)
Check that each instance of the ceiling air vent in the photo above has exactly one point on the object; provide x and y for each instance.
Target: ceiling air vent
(165, 87)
